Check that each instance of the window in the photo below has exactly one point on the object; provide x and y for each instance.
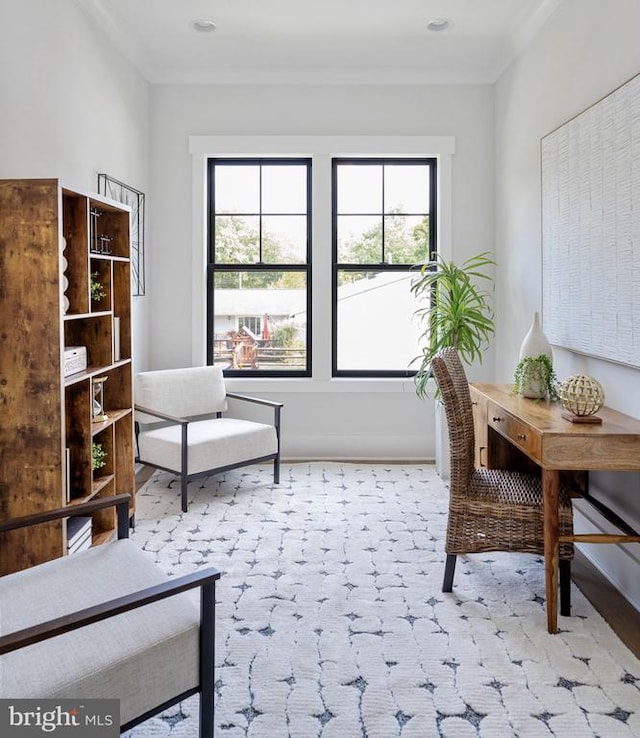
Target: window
(383, 224)
(252, 323)
(259, 266)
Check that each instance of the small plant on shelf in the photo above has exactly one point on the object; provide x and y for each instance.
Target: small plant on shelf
(97, 289)
(534, 377)
(98, 456)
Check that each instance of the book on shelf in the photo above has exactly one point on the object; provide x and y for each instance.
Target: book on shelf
(67, 474)
(78, 528)
(116, 338)
(82, 544)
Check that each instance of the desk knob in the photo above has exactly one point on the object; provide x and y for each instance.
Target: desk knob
(497, 419)
(522, 436)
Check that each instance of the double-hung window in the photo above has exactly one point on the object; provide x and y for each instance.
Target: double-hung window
(259, 266)
(383, 225)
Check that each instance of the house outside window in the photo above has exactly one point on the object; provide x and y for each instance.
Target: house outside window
(259, 266)
(383, 225)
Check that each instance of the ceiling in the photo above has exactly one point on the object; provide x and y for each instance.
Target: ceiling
(321, 41)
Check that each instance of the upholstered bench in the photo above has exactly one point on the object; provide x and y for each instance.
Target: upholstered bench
(123, 629)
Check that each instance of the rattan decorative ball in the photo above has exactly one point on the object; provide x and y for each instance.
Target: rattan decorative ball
(581, 395)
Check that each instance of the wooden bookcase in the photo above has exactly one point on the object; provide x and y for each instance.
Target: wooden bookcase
(53, 242)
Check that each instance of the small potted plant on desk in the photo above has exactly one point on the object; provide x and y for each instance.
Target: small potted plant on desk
(535, 378)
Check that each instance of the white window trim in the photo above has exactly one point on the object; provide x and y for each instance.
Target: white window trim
(321, 149)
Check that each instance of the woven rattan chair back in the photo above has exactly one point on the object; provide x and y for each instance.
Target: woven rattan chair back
(454, 364)
(456, 398)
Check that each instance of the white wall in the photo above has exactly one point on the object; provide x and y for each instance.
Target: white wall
(337, 418)
(71, 107)
(586, 50)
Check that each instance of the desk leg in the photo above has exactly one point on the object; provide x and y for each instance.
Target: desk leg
(550, 504)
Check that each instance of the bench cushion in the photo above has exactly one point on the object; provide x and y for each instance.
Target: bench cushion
(143, 657)
(213, 443)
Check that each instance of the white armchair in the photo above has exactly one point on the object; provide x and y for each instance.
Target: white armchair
(107, 623)
(180, 426)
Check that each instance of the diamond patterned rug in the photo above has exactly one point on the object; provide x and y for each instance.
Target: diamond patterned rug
(331, 622)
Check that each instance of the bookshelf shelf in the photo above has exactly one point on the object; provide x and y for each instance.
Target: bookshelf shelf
(48, 434)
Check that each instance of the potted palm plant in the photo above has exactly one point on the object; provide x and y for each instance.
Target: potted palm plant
(456, 311)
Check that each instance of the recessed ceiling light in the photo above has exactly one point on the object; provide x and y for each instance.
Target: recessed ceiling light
(203, 24)
(439, 24)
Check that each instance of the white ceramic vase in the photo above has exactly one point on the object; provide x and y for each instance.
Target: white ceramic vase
(534, 344)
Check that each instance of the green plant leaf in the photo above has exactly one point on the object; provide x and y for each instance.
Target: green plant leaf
(457, 311)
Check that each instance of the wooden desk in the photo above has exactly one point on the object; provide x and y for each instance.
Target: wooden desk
(537, 430)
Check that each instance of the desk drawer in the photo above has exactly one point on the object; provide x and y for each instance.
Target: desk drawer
(514, 430)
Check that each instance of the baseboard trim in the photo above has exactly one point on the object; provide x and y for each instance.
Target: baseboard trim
(619, 613)
(355, 460)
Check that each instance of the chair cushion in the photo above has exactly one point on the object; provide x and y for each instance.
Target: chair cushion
(213, 443)
(143, 657)
(188, 392)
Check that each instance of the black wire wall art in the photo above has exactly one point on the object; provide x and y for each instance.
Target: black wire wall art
(135, 199)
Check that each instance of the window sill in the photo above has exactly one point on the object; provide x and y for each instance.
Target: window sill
(313, 386)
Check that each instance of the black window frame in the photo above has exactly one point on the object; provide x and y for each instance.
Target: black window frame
(337, 267)
(213, 268)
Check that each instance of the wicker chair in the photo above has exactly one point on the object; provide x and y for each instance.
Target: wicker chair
(491, 509)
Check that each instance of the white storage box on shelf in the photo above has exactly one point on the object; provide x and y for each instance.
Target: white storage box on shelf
(75, 359)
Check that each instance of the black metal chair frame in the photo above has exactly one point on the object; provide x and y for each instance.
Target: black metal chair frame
(185, 477)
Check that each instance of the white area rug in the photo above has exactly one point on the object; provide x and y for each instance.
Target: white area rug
(331, 621)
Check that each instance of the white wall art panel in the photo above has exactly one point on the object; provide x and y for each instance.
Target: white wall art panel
(591, 229)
